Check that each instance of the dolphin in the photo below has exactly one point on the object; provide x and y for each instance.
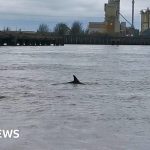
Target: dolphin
(75, 81)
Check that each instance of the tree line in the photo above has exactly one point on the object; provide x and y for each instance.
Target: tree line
(62, 29)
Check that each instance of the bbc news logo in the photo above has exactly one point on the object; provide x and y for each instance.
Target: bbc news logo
(9, 134)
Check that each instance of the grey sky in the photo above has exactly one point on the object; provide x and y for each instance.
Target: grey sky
(29, 13)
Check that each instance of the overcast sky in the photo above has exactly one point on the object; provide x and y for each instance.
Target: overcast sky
(28, 14)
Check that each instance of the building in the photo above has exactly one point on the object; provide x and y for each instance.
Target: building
(97, 27)
(112, 15)
(145, 20)
(111, 24)
(123, 29)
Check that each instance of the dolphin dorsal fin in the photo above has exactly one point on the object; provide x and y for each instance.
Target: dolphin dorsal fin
(75, 79)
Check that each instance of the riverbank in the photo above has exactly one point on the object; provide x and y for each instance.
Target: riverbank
(12, 38)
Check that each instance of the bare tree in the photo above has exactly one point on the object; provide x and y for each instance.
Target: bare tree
(76, 28)
(61, 29)
(43, 28)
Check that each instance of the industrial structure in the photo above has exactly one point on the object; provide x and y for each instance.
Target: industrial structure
(145, 20)
(112, 19)
(133, 2)
(111, 24)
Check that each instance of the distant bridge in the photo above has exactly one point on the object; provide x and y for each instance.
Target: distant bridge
(10, 38)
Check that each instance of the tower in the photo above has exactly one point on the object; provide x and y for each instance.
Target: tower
(115, 5)
(112, 15)
(145, 19)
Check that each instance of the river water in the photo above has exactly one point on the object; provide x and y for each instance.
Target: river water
(110, 112)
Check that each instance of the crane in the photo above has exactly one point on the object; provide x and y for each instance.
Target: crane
(131, 24)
